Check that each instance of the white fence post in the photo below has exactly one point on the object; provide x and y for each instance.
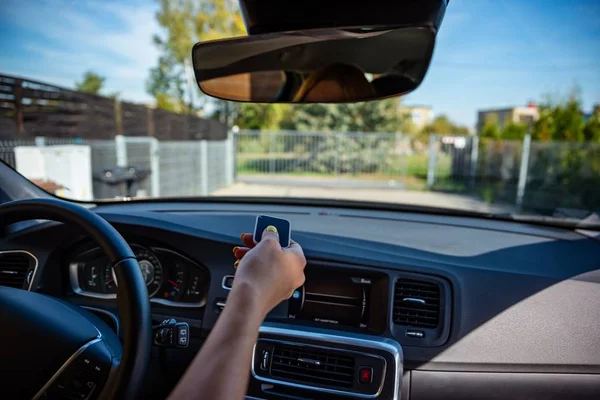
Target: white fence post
(474, 157)
(336, 162)
(432, 161)
(40, 141)
(272, 152)
(154, 167)
(121, 150)
(229, 159)
(203, 168)
(523, 170)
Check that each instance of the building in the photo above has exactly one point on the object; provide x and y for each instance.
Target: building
(420, 115)
(504, 116)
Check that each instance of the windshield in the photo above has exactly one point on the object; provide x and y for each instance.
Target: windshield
(98, 101)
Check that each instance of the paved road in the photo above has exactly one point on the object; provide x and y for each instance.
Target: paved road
(389, 195)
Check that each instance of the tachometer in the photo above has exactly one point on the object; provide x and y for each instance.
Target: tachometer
(175, 285)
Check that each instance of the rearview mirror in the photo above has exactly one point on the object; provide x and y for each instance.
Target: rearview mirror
(315, 66)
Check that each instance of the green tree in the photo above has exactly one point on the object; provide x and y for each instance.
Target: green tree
(372, 116)
(442, 125)
(92, 83)
(491, 130)
(258, 116)
(514, 131)
(167, 86)
(591, 131)
(561, 121)
(184, 23)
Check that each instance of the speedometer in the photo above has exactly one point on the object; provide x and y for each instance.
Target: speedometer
(150, 268)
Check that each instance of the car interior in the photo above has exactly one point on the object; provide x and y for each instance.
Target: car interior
(114, 299)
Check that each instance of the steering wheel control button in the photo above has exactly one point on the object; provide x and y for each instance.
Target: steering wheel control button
(365, 375)
(415, 334)
(227, 283)
(85, 362)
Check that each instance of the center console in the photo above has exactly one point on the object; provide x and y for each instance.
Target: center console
(303, 363)
(326, 342)
(345, 299)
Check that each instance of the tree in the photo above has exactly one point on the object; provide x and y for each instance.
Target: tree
(371, 116)
(562, 121)
(258, 116)
(514, 131)
(186, 22)
(167, 86)
(92, 83)
(442, 125)
(491, 130)
(591, 131)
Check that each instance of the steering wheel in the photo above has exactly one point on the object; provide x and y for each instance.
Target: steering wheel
(53, 349)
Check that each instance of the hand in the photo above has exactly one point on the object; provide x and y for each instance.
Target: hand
(272, 272)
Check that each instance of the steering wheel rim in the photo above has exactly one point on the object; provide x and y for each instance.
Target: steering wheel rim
(132, 295)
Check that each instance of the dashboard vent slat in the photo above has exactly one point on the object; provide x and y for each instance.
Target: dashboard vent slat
(14, 268)
(312, 366)
(416, 303)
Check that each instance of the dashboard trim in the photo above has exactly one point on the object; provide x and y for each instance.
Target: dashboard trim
(377, 343)
(223, 282)
(35, 267)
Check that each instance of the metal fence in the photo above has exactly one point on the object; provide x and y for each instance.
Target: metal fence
(527, 174)
(322, 157)
(177, 168)
(524, 173)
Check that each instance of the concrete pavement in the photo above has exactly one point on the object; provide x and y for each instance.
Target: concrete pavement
(388, 195)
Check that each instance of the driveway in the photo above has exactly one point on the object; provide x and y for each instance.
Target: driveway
(388, 195)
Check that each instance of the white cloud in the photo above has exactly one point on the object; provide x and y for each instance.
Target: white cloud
(113, 39)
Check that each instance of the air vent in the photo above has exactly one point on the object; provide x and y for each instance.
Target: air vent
(14, 267)
(416, 303)
(312, 366)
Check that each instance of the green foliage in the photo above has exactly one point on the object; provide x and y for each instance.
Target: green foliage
(563, 121)
(591, 131)
(514, 131)
(491, 130)
(92, 83)
(259, 116)
(442, 125)
(167, 85)
(184, 23)
(373, 116)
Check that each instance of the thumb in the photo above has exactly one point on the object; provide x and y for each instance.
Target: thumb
(270, 232)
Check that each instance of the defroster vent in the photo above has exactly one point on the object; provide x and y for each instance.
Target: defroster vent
(14, 269)
(312, 366)
(417, 303)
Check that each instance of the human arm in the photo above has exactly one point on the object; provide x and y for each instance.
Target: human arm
(265, 276)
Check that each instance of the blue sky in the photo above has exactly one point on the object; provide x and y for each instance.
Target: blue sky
(489, 53)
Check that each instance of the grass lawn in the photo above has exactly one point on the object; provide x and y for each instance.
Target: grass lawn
(410, 171)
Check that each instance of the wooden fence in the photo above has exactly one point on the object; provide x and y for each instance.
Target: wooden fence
(29, 109)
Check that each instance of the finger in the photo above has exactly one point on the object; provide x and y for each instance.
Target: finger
(295, 249)
(248, 240)
(240, 252)
(270, 233)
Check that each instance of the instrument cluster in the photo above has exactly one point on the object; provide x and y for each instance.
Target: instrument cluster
(171, 278)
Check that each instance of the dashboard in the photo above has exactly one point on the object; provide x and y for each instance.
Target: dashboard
(438, 306)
